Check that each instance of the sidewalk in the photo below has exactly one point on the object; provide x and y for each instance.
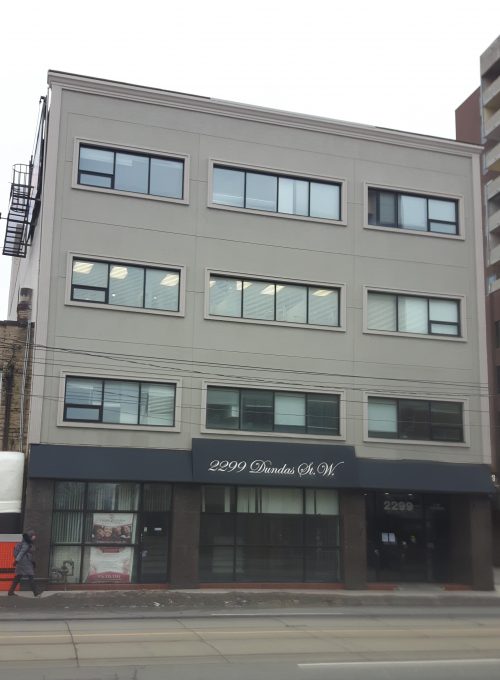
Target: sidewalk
(135, 603)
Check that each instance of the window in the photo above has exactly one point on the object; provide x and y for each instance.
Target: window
(412, 211)
(397, 313)
(132, 172)
(269, 534)
(271, 411)
(497, 334)
(272, 301)
(121, 402)
(415, 419)
(97, 532)
(125, 285)
(268, 192)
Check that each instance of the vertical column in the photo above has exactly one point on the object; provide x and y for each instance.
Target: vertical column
(471, 542)
(185, 536)
(353, 538)
(38, 517)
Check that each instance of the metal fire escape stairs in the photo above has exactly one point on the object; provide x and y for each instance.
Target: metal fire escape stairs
(22, 208)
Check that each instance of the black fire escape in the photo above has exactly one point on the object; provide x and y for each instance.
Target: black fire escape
(22, 210)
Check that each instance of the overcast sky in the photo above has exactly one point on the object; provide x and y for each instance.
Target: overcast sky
(393, 63)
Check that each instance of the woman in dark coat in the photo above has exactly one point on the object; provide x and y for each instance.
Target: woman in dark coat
(25, 566)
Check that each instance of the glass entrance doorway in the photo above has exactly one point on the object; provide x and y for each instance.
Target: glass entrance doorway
(407, 537)
(153, 547)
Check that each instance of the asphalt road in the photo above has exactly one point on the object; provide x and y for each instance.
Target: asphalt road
(341, 645)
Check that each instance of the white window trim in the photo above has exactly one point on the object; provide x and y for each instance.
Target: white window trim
(287, 173)
(420, 293)
(425, 194)
(275, 279)
(132, 149)
(116, 426)
(124, 308)
(417, 442)
(274, 435)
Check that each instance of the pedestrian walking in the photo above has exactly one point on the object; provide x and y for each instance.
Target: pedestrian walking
(24, 563)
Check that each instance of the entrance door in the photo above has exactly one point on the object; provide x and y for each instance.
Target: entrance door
(154, 547)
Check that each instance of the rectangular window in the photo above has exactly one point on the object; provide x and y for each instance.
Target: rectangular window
(412, 211)
(122, 402)
(273, 301)
(271, 192)
(132, 172)
(398, 313)
(125, 285)
(415, 419)
(272, 411)
(269, 534)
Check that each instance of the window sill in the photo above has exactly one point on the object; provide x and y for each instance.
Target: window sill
(285, 324)
(111, 426)
(415, 232)
(129, 194)
(418, 336)
(415, 442)
(273, 435)
(286, 216)
(122, 308)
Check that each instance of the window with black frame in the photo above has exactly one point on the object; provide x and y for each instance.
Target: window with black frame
(97, 529)
(415, 419)
(122, 170)
(269, 192)
(231, 408)
(400, 313)
(125, 285)
(412, 211)
(261, 534)
(119, 402)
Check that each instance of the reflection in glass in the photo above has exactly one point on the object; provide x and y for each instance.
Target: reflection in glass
(229, 187)
(261, 192)
(166, 178)
(131, 173)
(258, 300)
(162, 290)
(225, 296)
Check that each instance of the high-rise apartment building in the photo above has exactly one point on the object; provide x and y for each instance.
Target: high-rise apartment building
(259, 341)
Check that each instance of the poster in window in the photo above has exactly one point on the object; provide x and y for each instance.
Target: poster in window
(112, 527)
(109, 564)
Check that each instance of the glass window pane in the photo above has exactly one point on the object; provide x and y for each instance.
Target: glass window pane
(257, 410)
(157, 404)
(65, 564)
(387, 209)
(322, 531)
(156, 497)
(443, 227)
(110, 528)
(217, 529)
(95, 180)
(289, 412)
(293, 196)
(447, 421)
(291, 303)
(87, 273)
(261, 192)
(323, 414)
(89, 413)
(412, 315)
(131, 173)
(444, 211)
(322, 565)
(258, 300)
(96, 160)
(444, 329)
(382, 312)
(126, 286)
(121, 402)
(67, 527)
(225, 296)
(85, 295)
(223, 408)
(382, 418)
(323, 307)
(216, 564)
(87, 391)
(166, 178)
(69, 495)
(269, 564)
(111, 496)
(269, 500)
(413, 212)
(322, 502)
(414, 422)
(100, 565)
(325, 201)
(443, 310)
(162, 290)
(229, 187)
(217, 499)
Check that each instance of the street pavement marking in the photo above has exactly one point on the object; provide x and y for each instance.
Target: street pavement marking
(382, 664)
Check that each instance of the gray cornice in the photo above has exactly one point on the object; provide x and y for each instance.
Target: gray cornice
(119, 90)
